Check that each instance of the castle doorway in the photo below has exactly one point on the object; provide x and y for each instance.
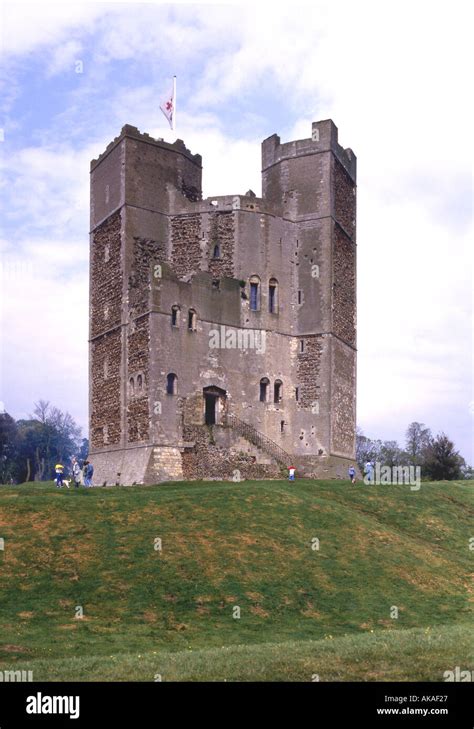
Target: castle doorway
(214, 402)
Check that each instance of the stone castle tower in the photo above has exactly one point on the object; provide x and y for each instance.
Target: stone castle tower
(222, 331)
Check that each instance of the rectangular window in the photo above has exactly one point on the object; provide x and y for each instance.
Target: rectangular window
(254, 296)
(300, 297)
(271, 300)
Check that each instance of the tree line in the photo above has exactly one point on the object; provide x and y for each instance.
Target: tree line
(30, 449)
(436, 456)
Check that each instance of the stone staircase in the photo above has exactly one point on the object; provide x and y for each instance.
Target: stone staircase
(260, 440)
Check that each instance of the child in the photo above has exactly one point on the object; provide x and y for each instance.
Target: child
(291, 473)
(352, 474)
(59, 470)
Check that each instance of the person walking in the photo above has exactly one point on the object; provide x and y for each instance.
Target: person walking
(291, 473)
(352, 474)
(368, 472)
(88, 471)
(76, 472)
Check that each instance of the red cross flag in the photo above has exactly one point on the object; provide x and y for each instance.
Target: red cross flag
(168, 105)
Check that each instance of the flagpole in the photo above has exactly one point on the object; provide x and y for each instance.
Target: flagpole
(174, 103)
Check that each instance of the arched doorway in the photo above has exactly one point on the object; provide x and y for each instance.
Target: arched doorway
(214, 402)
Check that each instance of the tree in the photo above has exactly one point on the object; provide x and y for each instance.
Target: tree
(31, 439)
(84, 450)
(366, 449)
(391, 454)
(442, 461)
(8, 448)
(417, 440)
(60, 439)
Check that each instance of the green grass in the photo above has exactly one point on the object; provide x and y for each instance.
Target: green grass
(302, 611)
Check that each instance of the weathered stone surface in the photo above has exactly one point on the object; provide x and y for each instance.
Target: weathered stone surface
(344, 199)
(106, 385)
(221, 233)
(344, 287)
(186, 244)
(308, 372)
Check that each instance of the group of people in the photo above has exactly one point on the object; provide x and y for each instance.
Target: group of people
(80, 474)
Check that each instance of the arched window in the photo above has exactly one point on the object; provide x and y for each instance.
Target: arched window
(273, 296)
(171, 384)
(254, 293)
(139, 384)
(217, 251)
(131, 385)
(264, 383)
(192, 320)
(175, 316)
(277, 391)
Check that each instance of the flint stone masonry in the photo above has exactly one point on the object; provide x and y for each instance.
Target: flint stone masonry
(221, 233)
(344, 287)
(106, 276)
(147, 209)
(186, 245)
(344, 199)
(105, 387)
(308, 371)
(145, 252)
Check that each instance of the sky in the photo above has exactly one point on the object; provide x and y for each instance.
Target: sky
(393, 76)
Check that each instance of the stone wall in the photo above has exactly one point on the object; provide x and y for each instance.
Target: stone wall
(344, 199)
(343, 406)
(186, 244)
(145, 251)
(106, 354)
(106, 276)
(344, 287)
(138, 364)
(208, 460)
(106, 337)
(308, 366)
(221, 233)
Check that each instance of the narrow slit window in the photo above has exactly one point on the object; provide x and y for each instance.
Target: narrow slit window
(277, 391)
(171, 384)
(264, 383)
(192, 320)
(273, 296)
(175, 316)
(254, 293)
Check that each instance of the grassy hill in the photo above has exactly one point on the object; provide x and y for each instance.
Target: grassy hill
(250, 545)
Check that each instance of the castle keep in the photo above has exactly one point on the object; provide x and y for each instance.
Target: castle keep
(222, 331)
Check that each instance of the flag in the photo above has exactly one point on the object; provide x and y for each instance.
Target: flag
(167, 106)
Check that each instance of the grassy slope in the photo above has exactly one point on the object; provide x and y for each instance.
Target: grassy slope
(227, 544)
